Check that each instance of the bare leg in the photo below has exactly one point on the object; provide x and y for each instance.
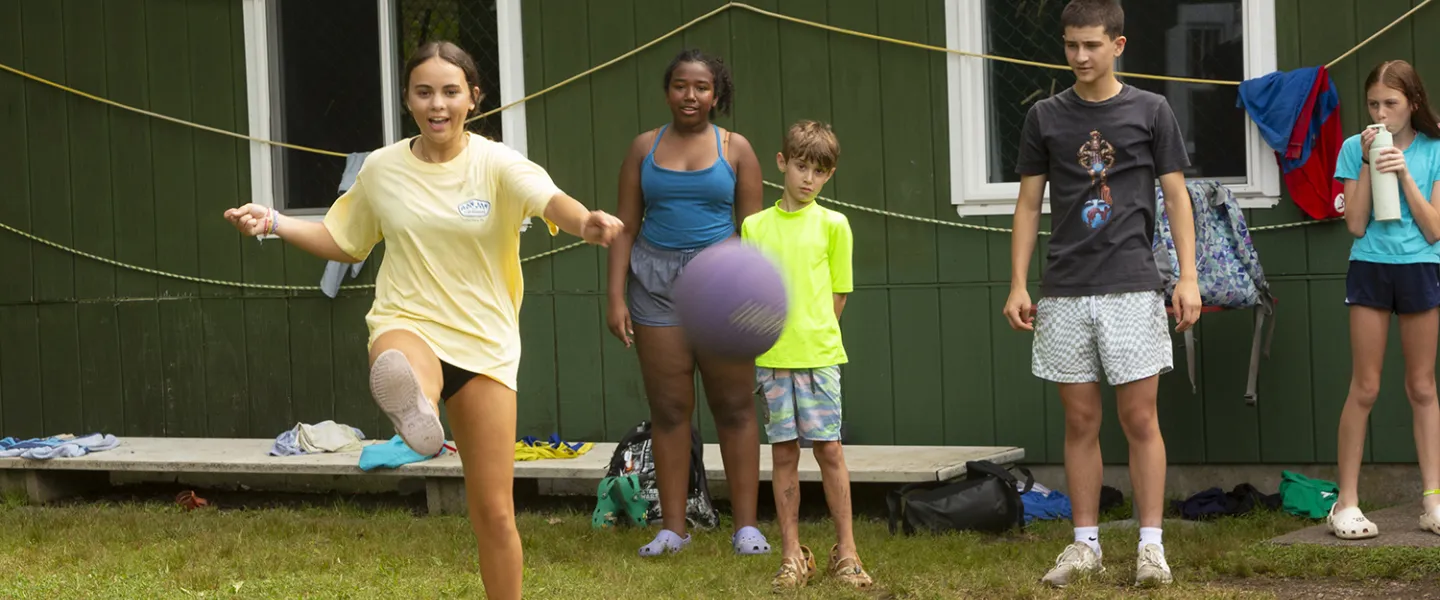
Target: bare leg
(1136, 404)
(730, 390)
(1369, 328)
(483, 416)
(668, 368)
(1083, 467)
(1418, 333)
(786, 459)
(831, 457)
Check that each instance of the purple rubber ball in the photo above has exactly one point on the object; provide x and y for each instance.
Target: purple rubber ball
(731, 301)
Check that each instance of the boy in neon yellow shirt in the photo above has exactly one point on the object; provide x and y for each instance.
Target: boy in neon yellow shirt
(800, 376)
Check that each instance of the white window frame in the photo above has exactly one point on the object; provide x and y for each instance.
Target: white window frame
(261, 103)
(970, 189)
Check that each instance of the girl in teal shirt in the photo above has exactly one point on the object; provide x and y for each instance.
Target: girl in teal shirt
(1394, 268)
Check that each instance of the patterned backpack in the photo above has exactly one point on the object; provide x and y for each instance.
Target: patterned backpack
(1229, 271)
(634, 458)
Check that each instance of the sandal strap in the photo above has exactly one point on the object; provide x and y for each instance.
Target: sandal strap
(1430, 493)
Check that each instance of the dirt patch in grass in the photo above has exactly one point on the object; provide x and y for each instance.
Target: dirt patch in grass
(1328, 588)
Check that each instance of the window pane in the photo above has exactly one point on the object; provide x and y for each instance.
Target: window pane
(470, 24)
(1191, 38)
(1205, 40)
(327, 88)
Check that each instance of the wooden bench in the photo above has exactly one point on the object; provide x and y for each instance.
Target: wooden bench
(47, 480)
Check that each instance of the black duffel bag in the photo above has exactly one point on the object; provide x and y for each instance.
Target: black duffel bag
(986, 499)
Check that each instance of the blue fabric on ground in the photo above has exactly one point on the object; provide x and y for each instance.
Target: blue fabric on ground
(57, 446)
(553, 442)
(390, 454)
(1045, 507)
(286, 444)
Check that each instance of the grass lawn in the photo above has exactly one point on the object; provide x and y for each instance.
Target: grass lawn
(340, 549)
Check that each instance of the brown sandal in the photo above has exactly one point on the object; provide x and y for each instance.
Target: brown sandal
(795, 572)
(848, 570)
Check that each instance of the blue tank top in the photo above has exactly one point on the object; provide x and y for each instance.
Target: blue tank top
(687, 209)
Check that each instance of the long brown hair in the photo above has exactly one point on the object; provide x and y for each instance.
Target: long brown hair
(452, 54)
(1399, 75)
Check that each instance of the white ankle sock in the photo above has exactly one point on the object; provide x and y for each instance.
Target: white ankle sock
(1150, 535)
(1090, 536)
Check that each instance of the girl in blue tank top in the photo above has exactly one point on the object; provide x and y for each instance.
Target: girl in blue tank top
(683, 187)
(1394, 269)
(687, 209)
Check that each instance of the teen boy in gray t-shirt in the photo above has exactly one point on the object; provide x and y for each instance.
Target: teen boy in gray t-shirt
(1101, 145)
(1101, 160)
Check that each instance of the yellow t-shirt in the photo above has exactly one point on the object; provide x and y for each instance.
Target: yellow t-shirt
(451, 272)
(812, 249)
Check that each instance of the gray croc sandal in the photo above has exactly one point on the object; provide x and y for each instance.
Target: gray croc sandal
(667, 542)
(749, 541)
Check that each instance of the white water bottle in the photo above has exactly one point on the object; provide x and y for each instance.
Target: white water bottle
(1384, 187)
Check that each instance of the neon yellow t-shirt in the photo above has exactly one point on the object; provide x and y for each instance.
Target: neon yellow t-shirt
(812, 249)
(451, 272)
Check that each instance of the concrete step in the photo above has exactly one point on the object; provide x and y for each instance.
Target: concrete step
(46, 480)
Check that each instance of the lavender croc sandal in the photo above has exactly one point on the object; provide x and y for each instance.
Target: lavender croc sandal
(749, 540)
(667, 542)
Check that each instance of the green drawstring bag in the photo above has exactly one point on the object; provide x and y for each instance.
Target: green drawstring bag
(1306, 497)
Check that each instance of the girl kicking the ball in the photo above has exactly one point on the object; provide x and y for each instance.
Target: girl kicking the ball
(445, 322)
(692, 182)
(1394, 268)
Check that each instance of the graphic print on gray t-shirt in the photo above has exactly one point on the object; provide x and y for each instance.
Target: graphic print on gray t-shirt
(1101, 160)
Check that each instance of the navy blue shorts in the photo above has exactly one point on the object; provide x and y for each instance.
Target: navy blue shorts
(1401, 289)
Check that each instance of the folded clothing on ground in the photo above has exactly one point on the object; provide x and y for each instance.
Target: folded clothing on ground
(1214, 503)
(325, 436)
(532, 448)
(60, 446)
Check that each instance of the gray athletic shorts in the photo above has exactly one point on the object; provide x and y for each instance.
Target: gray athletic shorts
(1124, 336)
(652, 274)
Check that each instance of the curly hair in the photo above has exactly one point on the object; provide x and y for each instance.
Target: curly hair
(724, 87)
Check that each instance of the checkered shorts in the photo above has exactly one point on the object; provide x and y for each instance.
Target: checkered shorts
(1125, 336)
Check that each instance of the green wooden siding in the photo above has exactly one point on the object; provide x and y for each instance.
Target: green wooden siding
(90, 347)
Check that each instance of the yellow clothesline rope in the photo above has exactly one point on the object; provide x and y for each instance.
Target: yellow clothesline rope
(311, 288)
(586, 73)
(672, 33)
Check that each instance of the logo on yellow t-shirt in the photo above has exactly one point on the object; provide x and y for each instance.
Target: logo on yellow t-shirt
(474, 209)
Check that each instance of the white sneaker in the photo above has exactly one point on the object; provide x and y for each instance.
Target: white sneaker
(1151, 568)
(1077, 561)
(397, 391)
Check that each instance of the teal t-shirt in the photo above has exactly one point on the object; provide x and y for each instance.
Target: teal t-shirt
(1395, 242)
